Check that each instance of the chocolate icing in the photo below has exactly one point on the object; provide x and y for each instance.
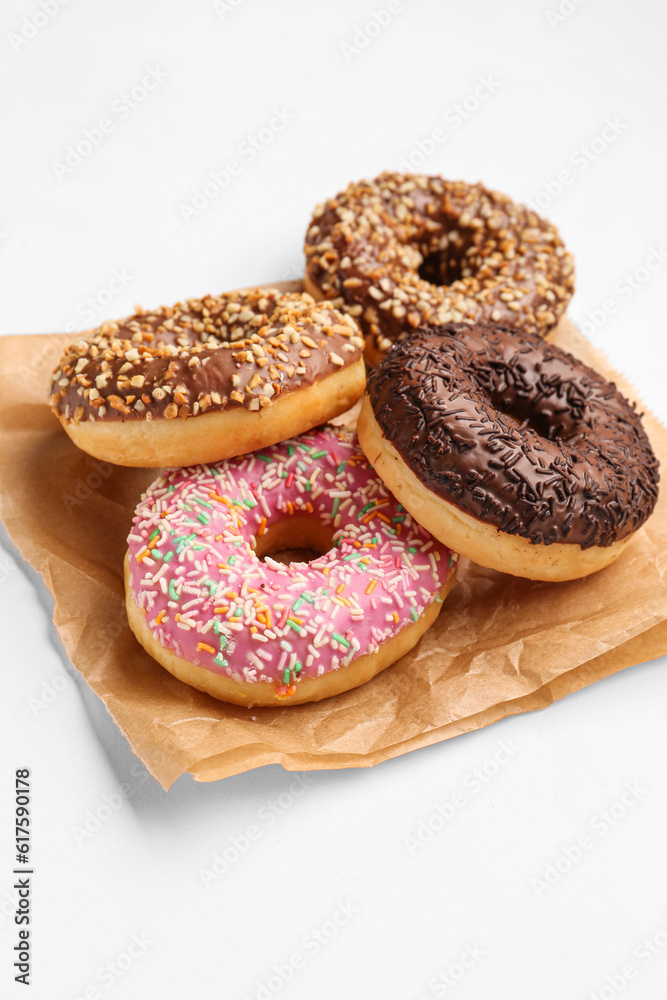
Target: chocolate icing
(406, 249)
(517, 433)
(238, 349)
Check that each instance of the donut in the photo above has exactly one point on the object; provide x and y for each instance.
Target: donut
(509, 449)
(207, 601)
(209, 378)
(405, 249)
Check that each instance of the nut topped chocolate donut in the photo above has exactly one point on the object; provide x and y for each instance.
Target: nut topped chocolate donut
(209, 378)
(408, 249)
(522, 457)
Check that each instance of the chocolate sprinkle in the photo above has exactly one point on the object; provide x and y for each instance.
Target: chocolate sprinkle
(517, 433)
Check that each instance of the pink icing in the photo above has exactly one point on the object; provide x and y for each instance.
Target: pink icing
(191, 555)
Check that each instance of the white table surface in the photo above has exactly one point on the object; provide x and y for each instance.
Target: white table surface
(324, 895)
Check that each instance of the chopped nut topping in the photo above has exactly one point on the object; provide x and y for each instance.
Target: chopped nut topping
(483, 255)
(175, 354)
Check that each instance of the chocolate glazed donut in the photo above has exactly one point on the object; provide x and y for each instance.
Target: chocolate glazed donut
(509, 449)
(208, 379)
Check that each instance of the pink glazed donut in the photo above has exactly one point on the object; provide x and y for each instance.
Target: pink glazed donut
(207, 601)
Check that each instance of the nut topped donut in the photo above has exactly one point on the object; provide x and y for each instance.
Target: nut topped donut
(252, 630)
(209, 378)
(407, 249)
(509, 449)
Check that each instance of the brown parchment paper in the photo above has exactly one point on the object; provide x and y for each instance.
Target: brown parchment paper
(500, 646)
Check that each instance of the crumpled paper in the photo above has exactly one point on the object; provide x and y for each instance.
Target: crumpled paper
(501, 645)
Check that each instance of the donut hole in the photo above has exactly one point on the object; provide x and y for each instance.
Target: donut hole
(536, 422)
(546, 424)
(294, 539)
(443, 267)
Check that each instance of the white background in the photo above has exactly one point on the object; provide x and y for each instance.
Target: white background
(477, 885)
